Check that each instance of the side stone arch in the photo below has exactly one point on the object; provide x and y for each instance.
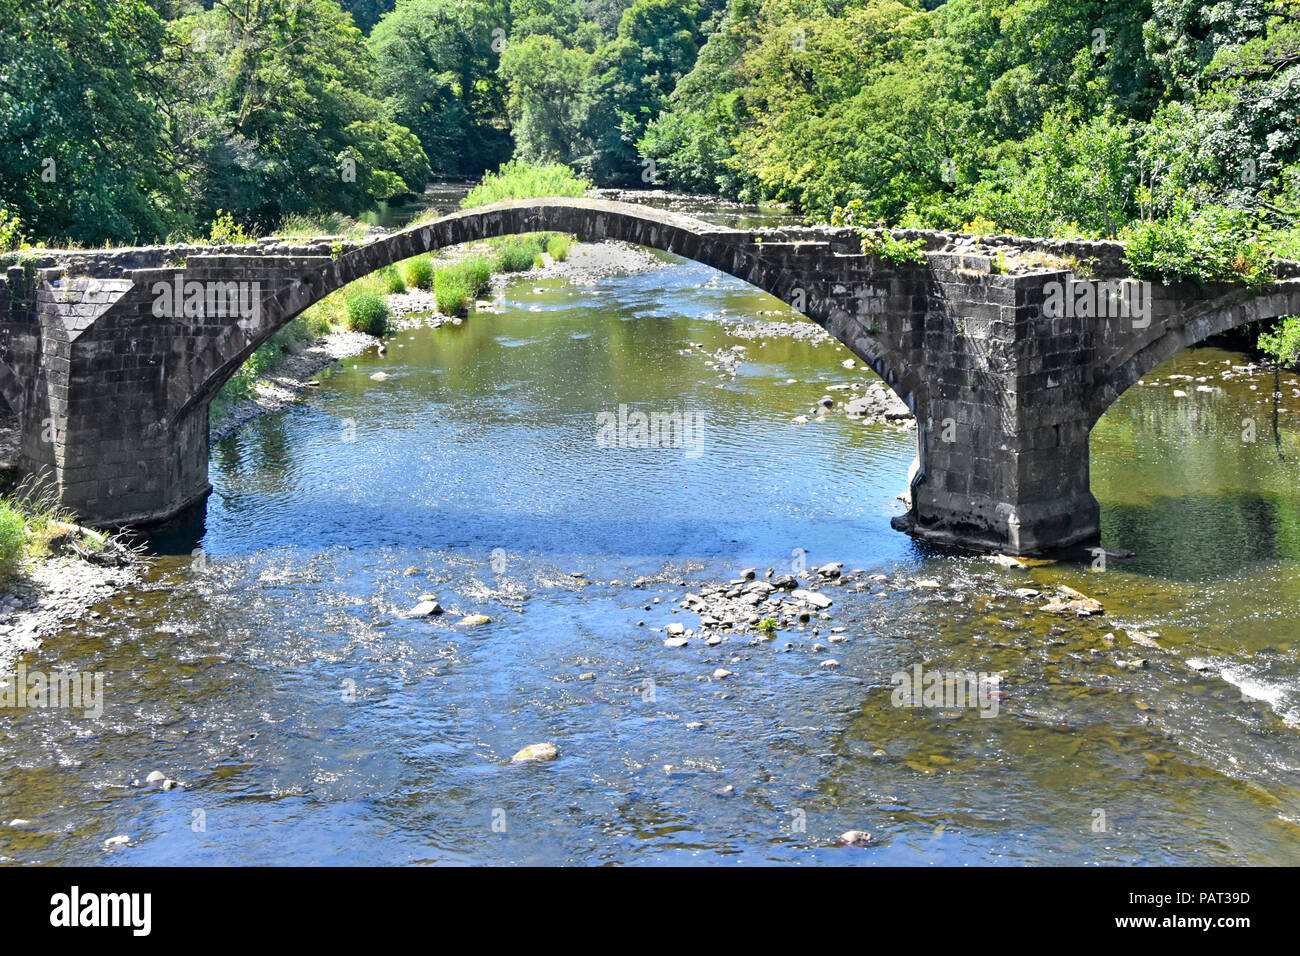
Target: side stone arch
(1183, 318)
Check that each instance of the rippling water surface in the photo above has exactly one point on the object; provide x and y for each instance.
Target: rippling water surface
(312, 723)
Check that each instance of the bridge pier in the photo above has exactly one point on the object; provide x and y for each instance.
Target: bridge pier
(118, 468)
(1002, 418)
(1016, 502)
(97, 422)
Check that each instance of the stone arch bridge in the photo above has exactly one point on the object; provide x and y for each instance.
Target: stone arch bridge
(110, 358)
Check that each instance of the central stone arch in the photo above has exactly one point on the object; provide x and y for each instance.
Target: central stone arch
(781, 272)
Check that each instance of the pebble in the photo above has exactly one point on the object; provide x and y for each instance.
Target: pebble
(473, 620)
(855, 838)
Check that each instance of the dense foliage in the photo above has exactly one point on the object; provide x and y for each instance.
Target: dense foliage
(1175, 125)
(126, 120)
(1042, 117)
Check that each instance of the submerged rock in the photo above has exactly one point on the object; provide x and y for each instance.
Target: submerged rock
(1137, 637)
(536, 752)
(1072, 601)
(812, 597)
(425, 609)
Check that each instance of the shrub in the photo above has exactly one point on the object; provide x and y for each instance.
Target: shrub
(1214, 245)
(558, 247)
(226, 231)
(1283, 343)
(979, 226)
(11, 231)
(519, 180)
(899, 252)
(518, 255)
(418, 272)
(13, 539)
(367, 312)
(391, 280)
(452, 292)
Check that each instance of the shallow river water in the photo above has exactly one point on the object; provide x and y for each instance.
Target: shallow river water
(276, 676)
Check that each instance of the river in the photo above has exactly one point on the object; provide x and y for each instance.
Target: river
(276, 675)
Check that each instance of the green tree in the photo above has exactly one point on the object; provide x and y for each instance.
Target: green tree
(630, 80)
(545, 83)
(82, 150)
(436, 71)
(366, 13)
(287, 125)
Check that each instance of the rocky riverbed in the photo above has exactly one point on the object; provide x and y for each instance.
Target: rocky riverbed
(53, 594)
(798, 613)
